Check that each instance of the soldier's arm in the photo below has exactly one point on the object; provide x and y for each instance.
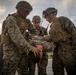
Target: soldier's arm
(15, 34)
(70, 28)
(47, 38)
(31, 28)
(48, 46)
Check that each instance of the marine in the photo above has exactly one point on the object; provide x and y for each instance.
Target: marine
(15, 46)
(41, 31)
(63, 35)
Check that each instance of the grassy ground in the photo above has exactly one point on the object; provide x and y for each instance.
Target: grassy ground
(50, 55)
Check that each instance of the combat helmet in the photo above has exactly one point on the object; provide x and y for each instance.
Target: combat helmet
(23, 6)
(36, 19)
(48, 11)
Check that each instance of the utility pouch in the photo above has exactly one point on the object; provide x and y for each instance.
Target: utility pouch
(5, 39)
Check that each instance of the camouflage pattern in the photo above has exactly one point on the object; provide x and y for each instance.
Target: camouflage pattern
(48, 46)
(41, 31)
(64, 55)
(42, 64)
(15, 52)
(25, 66)
(31, 67)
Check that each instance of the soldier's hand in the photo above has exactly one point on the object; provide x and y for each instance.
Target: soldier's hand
(34, 50)
(40, 47)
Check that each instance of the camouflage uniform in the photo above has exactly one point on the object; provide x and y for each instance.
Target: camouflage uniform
(15, 46)
(63, 56)
(13, 53)
(63, 53)
(63, 34)
(42, 64)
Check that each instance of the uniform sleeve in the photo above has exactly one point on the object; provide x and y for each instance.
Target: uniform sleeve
(47, 38)
(15, 34)
(70, 28)
(31, 28)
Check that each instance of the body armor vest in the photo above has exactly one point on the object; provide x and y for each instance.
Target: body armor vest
(57, 33)
(22, 24)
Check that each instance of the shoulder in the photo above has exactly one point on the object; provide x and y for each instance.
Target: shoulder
(65, 19)
(11, 18)
(66, 23)
(10, 21)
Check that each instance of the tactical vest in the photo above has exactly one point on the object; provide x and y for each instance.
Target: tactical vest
(57, 33)
(22, 24)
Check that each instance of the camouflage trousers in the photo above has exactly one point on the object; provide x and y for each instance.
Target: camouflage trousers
(30, 66)
(42, 65)
(63, 58)
(14, 60)
(26, 66)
